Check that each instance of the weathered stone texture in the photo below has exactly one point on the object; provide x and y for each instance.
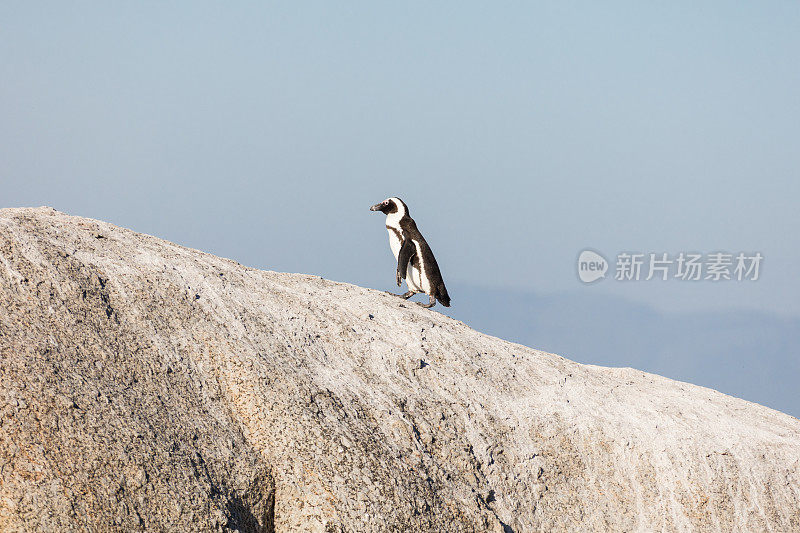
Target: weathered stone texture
(147, 386)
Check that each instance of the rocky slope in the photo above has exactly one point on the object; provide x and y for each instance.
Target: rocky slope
(147, 386)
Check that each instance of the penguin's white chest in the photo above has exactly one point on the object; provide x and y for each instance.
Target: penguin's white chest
(414, 279)
(394, 241)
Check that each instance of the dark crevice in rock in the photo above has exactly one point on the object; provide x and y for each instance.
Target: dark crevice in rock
(254, 511)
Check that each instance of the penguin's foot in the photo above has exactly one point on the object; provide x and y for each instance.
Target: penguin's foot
(407, 295)
(430, 304)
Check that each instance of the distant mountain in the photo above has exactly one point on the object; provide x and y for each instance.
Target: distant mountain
(751, 355)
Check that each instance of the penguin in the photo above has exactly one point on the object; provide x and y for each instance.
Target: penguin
(415, 261)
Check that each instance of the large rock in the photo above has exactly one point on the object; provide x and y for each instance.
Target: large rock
(147, 386)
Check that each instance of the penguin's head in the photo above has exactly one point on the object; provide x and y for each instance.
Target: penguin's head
(390, 206)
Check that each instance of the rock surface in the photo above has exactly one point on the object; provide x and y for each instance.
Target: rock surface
(147, 386)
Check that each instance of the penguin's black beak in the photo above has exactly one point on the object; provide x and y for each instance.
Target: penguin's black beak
(377, 207)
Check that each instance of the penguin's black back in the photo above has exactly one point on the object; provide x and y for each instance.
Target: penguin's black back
(430, 265)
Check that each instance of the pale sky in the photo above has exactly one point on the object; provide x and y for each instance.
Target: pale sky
(518, 135)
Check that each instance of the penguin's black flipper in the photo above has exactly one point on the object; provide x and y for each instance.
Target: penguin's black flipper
(407, 251)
